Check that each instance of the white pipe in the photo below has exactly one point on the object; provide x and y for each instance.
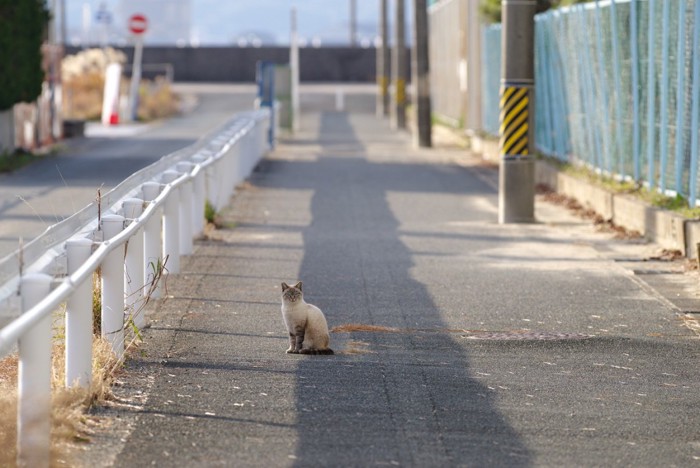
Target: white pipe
(113, 287)
(34, 379)
(134, 265)
(79, 318)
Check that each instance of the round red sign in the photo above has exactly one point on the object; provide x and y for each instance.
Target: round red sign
(138, 23)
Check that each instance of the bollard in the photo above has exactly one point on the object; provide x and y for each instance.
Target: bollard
(339, 100)
(113, 287)
(186, 196)
(34, 379)
(152, 242)
(133, 265)
(79, 319)
(171, 225)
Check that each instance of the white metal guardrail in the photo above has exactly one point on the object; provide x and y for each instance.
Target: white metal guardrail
(150, 220)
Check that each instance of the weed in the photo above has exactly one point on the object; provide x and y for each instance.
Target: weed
(12, 161)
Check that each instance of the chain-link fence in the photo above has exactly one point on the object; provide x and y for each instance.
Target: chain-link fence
(617, 87)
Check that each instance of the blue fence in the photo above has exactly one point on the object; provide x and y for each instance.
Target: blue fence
(617, 88)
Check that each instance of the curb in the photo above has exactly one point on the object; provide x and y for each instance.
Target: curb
(669, 230)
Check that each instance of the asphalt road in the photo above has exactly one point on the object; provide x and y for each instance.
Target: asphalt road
(517, 345)
(57, 186)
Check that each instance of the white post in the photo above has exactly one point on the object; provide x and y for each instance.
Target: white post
(199, 197)
(79, 319)
(133, 269)
(34, 379)
(113, 287)
(171, 225)
(152, 240)
(186, 197)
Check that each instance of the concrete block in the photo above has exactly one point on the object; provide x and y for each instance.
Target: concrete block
(630, 213)
(666, 229)
(546, 174)
(588, 195)
(692, 238)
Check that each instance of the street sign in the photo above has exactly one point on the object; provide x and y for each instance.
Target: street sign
(138, 23)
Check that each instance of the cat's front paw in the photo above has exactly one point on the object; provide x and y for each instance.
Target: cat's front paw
(292, 351)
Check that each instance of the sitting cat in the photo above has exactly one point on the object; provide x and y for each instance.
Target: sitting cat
(308, 330)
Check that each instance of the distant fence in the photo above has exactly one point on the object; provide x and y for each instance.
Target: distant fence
(237, 64)
(617, 88)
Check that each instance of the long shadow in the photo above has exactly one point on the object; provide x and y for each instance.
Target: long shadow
(410, 400)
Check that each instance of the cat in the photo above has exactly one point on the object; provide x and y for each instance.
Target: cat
(308, 330)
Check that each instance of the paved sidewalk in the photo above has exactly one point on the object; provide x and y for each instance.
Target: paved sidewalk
(520, 345)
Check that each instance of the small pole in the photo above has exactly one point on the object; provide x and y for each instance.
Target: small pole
(186, 196)
(133, 264)
(398, 68)
(113, 287)
(353, 23)
(152, 239)
(421, 75)
(79, 319)
(135, 77)
(516, 200)
(171, 225)
(294, 65)
(34, 379)
(383, 62)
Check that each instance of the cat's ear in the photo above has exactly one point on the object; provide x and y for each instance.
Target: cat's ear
(285, 286)
(298, 286)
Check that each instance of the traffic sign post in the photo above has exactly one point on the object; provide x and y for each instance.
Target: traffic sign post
(138, 24)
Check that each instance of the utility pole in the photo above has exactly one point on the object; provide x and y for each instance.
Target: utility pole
(516, 187)
(421, 75)
(353, 23)
(383, 61)
(294, 70)
(398, 69)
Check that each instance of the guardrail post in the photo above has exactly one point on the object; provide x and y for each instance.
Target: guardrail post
(152, 242)
(34, 379)
(79, 319)
(186, 202)
(199, 197)
(113, 287)
(133, 265)
(171, 225)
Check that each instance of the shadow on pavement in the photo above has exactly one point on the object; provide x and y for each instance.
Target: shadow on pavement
(409, 400)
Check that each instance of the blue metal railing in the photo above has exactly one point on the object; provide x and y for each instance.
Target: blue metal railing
(617, 88)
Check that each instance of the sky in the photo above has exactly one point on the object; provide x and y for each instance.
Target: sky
(225, 22)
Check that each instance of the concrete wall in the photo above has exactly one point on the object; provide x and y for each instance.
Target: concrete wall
(236, 64)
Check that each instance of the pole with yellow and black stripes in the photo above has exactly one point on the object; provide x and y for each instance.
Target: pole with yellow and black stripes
(516, 194)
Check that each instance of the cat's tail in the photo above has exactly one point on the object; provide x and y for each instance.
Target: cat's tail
(327, 351)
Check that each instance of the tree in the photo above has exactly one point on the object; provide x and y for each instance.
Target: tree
(22, 31)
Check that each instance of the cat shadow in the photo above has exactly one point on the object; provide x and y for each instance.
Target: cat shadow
(385, 398)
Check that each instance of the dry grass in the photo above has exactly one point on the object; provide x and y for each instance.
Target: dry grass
(82, 97)
(68, 405)
(357, 347)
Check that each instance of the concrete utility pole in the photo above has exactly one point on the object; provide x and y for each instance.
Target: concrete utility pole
(353, 23)
(516, 195)
(421, 75)
(398, 69)
(383, 61)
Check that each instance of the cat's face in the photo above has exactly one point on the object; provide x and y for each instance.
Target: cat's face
(291, 293)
